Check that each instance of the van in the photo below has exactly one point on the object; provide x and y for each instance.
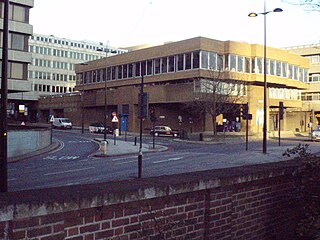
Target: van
(63, 123)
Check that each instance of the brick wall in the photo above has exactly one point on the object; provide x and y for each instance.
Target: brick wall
(240, 203)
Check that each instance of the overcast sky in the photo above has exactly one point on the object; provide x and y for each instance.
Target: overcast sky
(133, 22)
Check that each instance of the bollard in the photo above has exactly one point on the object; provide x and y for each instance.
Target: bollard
(201, 137)
(103, 147)
(135, 141)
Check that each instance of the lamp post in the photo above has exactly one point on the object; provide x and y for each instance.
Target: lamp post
(105, 99)
(4, 102)
(265, 86)
(82, 100)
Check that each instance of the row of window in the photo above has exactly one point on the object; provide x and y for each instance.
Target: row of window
(195, 60)
(314, 77)
(52, 64)
(51, 89)
(16, 41)
(76, 44)
(16, 12)
(314, 59)
(310, 96)
(63, 53)
(284, 93)
(51, 76)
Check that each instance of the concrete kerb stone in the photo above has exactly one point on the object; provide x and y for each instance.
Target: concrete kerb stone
(126, 148)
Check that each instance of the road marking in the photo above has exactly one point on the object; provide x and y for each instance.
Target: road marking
(124, 158)
(61, 158)
(12, 179)
(120, 163)
(83, 141)
(69, 171)
(168, 160)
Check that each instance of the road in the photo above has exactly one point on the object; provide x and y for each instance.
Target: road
(74, 162)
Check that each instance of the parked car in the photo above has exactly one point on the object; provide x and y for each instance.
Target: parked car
(63, 123)
(99, 128)
(315, 134)
(163, 131)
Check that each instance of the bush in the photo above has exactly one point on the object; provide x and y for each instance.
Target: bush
(307, 183)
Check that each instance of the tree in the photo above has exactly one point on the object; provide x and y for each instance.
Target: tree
(309, 5)
(215, 95)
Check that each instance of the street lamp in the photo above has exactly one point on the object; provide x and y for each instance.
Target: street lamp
(82, 100)
(265, 86)
(105, 99)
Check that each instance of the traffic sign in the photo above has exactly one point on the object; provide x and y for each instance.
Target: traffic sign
(115, 119)
(52, 119)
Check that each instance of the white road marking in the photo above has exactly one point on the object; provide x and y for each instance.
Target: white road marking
(12, 179)
(125, 162)
(69, 171)
(124, 158)
(168, 160)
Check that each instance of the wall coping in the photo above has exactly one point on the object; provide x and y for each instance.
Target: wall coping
(39, 202)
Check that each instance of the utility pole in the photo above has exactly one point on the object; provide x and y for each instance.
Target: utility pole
(141, 126)
(4, 100)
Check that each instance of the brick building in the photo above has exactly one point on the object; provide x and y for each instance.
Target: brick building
(174, 73)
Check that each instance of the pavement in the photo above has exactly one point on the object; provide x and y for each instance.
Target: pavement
(126, 148)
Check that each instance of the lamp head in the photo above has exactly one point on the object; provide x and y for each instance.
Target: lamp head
(278, 10)
(252, 14)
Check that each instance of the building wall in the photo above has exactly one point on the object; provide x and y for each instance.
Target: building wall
(253, 202)
(311, 96)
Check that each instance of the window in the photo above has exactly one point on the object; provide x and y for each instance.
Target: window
(19, 13)
(204, 60)
(164, 65)
(240, 64)
(290, 70)
(278, 68)
(138, 69)
(195, 60)
(180, 62)
(284, 69)
(157, 66)
(120, 72)
(125, 71)
(149, 67)
(130, 71)
(18, 41)
(258, 67)
(233, 63)
(219, 62)
(272, 67)
(171, 64)
(18, 70)
(212, 61)
(188, 61)
(247, 65)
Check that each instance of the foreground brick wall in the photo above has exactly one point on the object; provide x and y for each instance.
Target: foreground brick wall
(220, 204)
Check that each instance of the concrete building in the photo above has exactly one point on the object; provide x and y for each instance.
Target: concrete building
(19, 58)
(311, 97)
(53, 59)
(174, 73)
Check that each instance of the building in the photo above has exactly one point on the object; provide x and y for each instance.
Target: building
(18, 56)
(174, 73)
(311, 97)
(53, 59)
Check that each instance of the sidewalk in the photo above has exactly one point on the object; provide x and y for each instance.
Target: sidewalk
(125, 148)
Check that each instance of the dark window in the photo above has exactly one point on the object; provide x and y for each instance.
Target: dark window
(120, 72)
(125, 71)
(130, 72)
(149, 67)
(188, 60)
(138, 69)
(108, 73)
(164, 65)
(143, 68)
(180, 62)
(195, 60)
(113, 73)
(157, 66)
(171, 64)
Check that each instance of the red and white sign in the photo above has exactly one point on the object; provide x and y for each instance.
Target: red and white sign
(115, 119)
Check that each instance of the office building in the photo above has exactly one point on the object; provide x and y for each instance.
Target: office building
(18, 57)
(311, 97)
(174, 73)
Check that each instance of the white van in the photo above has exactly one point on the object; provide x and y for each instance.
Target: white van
(62, 123)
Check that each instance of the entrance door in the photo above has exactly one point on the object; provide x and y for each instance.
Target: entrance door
(124, 122)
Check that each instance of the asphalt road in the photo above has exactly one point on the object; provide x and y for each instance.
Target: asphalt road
(74, 163)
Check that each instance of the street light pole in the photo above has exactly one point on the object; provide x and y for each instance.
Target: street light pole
(4, 100)
(265, 85)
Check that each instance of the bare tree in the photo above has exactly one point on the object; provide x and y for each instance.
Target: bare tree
(216, 95)
(308, 5)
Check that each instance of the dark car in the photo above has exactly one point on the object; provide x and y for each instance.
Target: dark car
(99, 128)
(163, 131)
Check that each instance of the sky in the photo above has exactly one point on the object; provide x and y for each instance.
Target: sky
(123, 23)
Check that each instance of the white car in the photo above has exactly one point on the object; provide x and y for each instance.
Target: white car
(315, 134)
